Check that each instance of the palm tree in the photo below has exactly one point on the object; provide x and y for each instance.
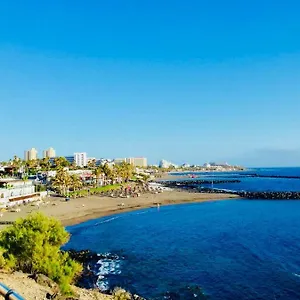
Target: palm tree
(75, 182)
(108, 172)
(45, 163)
(61, 162)
(16, 164)
(125, 171)
(62, 181)
(92, 164)
(98, 172)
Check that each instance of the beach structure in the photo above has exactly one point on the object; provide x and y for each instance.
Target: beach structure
(30, 154)
(16, 191)
(49, 153)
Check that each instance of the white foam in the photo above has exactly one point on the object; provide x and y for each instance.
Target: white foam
(107, 267)
(107, 220)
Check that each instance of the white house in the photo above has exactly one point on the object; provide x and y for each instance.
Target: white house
(15, 191)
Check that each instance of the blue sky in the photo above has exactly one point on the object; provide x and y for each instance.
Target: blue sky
(188, 81)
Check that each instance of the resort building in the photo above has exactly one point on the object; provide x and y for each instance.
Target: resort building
(50, 153)
(80, 159)
(137, 161)
(30, 154)
(15, 191)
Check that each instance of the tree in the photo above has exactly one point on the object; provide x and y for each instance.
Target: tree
(45, 164)
(98, 172)
(16, 164)
(124, 170)
(61, 162)
(108, 172)
(75, 182)
(32, 245)
(32, 166)
(62, 181)
(92, 164)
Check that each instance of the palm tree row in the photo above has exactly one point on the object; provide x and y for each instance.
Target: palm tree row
(63, 182)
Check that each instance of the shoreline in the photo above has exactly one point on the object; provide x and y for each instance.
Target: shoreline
(101, 214)
(80, 210)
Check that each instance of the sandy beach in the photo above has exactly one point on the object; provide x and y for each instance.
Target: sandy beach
(82, 209)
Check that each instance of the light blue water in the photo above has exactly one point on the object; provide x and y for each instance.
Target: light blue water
(235, 249)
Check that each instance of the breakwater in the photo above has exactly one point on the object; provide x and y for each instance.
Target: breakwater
(193, 186)
(174, 183)
(271, 176)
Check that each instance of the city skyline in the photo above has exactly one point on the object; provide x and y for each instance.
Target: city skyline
(205, 81)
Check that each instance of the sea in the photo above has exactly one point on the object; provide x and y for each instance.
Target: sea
(220, 250)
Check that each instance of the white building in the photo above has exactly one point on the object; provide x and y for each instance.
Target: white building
(166, 164)
(30, 154)
(14, 191)
(80, 159)
(137, 161)
(49, 153)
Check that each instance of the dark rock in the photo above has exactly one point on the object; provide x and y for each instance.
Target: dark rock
(43, 280)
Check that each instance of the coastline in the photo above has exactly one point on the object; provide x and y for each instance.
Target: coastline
(81, 210)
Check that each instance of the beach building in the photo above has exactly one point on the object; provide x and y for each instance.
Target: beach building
(16, 191)
(49, 153)
(80, 159)
(30, 154)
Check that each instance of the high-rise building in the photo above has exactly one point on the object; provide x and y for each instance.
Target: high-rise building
(30, 154)
(137, 161)
(49, 153)
(80, 159)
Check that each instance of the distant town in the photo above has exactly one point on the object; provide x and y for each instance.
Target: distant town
(81, 160)
(33, 178)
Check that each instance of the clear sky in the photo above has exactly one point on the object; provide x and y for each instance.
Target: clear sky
(187, 81)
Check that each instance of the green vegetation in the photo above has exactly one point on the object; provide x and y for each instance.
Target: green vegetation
(63, 182)
(121, 294)
(95, 190)
(32, 245)
(40, 188)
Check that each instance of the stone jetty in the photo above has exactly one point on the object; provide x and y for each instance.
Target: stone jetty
(271, 176)
(171, 183)
(266, 195)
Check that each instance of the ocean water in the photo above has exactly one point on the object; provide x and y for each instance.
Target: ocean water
(255, 184)
(235, 249)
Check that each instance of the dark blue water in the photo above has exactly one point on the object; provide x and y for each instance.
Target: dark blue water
(254, 184)
(236, 249)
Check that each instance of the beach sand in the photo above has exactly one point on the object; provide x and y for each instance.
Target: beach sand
(82, 209)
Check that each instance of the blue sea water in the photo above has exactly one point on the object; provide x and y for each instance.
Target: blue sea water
(236, 249)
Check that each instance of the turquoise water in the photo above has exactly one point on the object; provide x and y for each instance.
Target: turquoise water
(235, 249)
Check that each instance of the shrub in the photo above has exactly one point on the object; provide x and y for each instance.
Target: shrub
(121, 294)
(32, 245)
